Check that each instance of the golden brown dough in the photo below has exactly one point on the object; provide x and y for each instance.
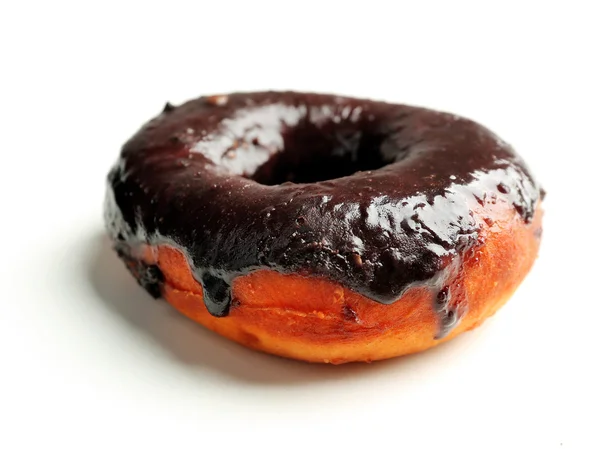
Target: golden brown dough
(315, 320)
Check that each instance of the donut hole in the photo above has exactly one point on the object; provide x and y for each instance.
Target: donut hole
(313, 153)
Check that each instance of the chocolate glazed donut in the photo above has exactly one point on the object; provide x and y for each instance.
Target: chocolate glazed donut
(373, 197)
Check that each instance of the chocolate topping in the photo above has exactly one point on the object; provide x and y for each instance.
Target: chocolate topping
(373, 195)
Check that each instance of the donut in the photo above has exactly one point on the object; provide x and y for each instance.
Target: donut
(324, 228)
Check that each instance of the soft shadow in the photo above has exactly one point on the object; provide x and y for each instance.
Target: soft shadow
(191, 345)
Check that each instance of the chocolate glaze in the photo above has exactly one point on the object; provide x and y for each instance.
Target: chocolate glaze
(375, 196)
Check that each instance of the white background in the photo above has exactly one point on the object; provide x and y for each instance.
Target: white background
(91, 363)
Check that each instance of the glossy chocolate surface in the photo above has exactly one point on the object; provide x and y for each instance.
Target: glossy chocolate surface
(375, 196)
